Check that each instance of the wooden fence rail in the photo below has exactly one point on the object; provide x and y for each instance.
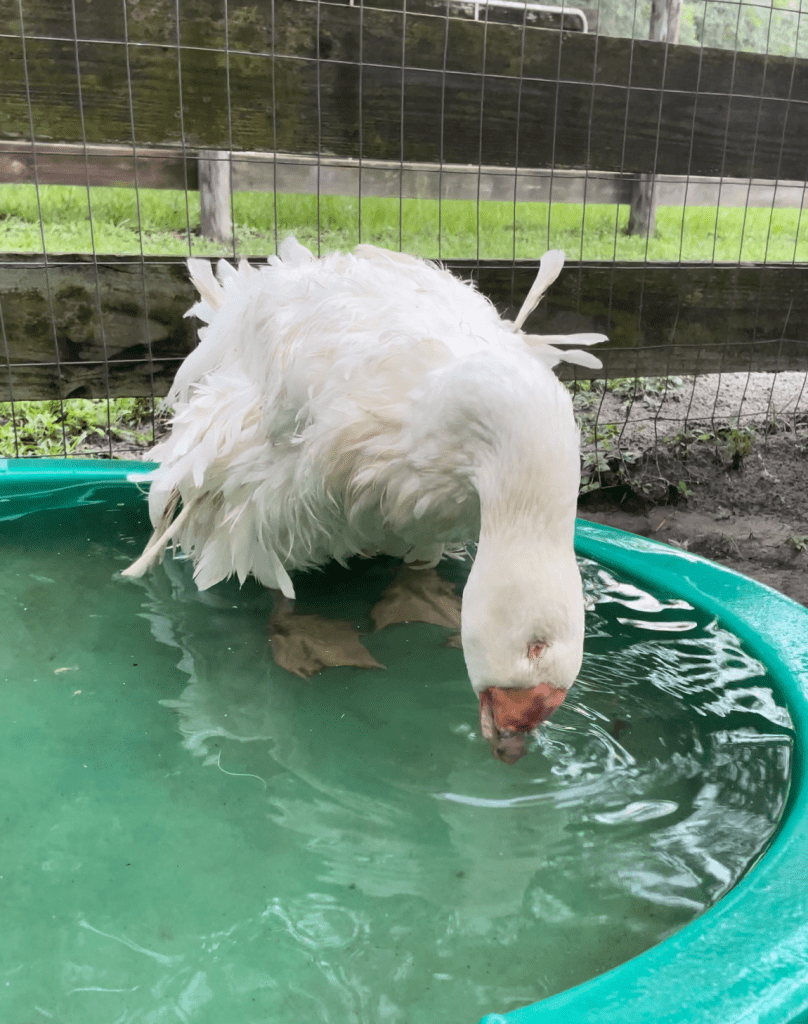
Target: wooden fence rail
(75, 327)
(49, 163)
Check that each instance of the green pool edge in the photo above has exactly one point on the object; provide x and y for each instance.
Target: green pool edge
(744, 961)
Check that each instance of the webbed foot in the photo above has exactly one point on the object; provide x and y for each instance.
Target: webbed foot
(418, 595)
(306, 644)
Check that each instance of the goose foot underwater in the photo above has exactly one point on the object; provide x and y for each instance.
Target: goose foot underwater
(418, 595)
(306, 644)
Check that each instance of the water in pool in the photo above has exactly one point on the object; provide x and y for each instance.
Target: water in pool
(192, 834)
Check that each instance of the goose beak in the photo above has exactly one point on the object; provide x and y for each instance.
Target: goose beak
(507, 715)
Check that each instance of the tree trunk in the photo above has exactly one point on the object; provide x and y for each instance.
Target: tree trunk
(665, 18)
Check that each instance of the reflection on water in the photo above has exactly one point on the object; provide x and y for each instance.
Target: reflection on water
(200, 836)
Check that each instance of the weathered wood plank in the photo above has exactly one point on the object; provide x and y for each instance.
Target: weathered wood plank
(79, 329)
(301, 77)
(48, 163)
(669, 318)
(71, 329)
(75, 164)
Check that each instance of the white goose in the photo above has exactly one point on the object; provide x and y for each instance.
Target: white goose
(373, 403)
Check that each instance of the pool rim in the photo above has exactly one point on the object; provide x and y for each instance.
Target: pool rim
(722, 968)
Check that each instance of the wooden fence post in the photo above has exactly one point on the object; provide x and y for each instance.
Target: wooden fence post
(216, 221)
(665, 18)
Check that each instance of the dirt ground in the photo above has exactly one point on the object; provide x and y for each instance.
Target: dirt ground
(747, 399)
(740, 496)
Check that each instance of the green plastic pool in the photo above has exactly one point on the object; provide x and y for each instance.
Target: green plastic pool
(191, 835)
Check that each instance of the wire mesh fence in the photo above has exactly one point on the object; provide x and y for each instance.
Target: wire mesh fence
(670, 169)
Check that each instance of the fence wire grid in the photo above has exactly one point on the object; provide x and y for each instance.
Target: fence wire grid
(662, 146)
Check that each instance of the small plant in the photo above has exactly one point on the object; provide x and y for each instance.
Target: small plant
(650, 389)
(738, 443)
(685, 439)
(799, 542)
(75, 426)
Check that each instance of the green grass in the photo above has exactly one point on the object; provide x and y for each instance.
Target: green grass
(122, 427)
(161, 222)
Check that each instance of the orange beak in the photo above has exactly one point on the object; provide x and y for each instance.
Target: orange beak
(507, 714)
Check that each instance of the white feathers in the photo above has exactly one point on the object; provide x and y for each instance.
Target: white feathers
(293, 253)
(546, 345)
(210, 291)
(153, 552)
(355, 403)
(550, 267)
(564, 339)
(580, 358)
(373, 252)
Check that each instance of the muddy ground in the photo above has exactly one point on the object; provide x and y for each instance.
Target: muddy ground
(738, 496)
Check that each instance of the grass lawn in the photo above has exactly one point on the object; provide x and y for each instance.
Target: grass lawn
(162, 222)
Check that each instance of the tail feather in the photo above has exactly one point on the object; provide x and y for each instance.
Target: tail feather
(366, 251)
(292, 252)
(545, 345)
(213, 290)
(578, 357)
(164, 533)
(209, 289)
(565, 339)
(227, 272)
(550, 267)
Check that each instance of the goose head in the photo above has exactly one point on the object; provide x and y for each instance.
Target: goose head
(522, 630)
